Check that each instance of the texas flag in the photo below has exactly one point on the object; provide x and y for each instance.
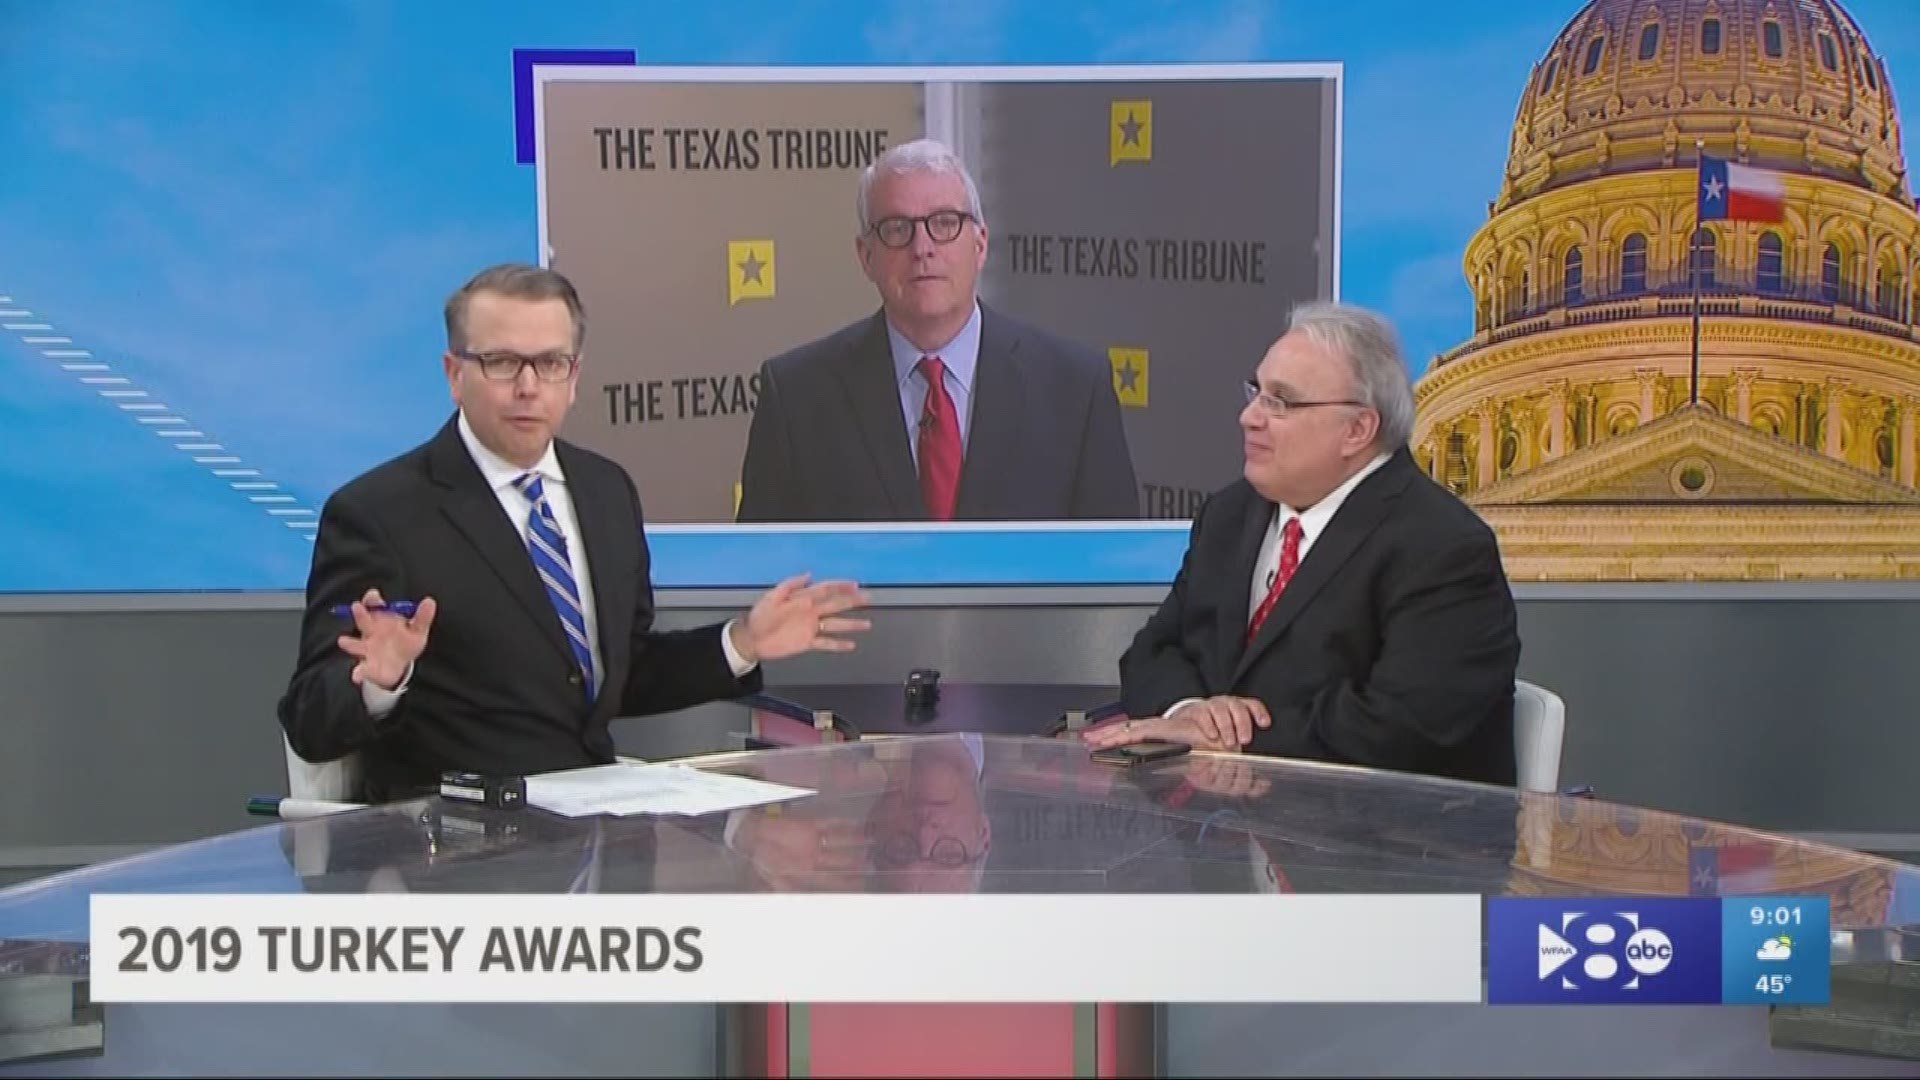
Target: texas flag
(1732, 192)
(1731, 869)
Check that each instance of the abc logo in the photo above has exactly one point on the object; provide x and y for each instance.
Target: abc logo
(1649, 951)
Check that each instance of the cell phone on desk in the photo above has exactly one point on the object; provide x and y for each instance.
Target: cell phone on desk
(1140, 753)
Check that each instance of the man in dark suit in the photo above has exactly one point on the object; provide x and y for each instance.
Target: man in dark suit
(534, 625)
(936, 407)
(1334, 604)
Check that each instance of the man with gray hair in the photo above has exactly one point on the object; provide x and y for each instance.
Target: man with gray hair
(1335, 603)
(936, 407)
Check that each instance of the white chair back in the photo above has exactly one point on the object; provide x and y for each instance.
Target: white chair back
(1539, 730)
(326, 781)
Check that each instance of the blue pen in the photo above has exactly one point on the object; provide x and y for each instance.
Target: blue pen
(402, 608)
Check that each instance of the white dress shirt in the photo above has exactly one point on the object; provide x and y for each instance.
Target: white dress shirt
(1313, 522)
(500, 475)
(960, 359)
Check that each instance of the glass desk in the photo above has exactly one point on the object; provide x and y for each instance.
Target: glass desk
(1005, 814)
(807, 715)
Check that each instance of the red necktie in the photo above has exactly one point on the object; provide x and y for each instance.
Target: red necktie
(939, 443)
(1289, 562)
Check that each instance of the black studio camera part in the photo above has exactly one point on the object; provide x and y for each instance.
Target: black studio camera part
(500, 793)
(922, 692)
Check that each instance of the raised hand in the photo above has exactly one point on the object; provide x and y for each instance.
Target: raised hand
(795, 617)
(387, 643)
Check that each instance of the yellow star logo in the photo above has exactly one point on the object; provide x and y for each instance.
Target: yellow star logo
(749, 270)
(1130, 132)
(1129, 375)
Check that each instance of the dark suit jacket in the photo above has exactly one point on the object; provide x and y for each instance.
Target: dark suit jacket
(1045, 442)
(1395, 645)
(497, 690)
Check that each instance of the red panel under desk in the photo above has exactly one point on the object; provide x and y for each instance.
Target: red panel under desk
(941, 1040)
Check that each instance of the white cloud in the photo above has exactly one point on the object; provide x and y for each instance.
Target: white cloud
(912, 32)
(1237, 34)
(1427, 298)
(1428, 131)
(1428, 287)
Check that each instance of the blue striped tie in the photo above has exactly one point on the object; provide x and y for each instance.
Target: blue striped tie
(549, 550)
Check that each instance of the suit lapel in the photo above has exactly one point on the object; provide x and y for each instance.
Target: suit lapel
(993, 433)
(873, 397)
(611, 539)
(1350, 527)
(1234, 612)
(475, 511)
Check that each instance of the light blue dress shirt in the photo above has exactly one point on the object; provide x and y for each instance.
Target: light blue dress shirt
(962, 359)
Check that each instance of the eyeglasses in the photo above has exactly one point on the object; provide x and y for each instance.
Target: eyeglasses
(943, 226)
(1276, 406)
(506, 366)
(903, 849)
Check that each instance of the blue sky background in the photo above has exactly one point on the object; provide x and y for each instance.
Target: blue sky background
(254, 212)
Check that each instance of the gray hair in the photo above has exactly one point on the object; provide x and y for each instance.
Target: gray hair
(516, 281)
(920, 155)
(1371, 348)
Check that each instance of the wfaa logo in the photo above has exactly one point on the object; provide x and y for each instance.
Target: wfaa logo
(1648, 950)
(1621, 950)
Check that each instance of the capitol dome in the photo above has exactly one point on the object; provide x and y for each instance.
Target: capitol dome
(1661, 387)
(1630, 84)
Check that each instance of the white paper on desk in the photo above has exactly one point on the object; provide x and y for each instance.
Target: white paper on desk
(624, 788)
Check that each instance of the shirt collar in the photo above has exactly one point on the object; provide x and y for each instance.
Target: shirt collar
(960, 356)
(1314, 519)
(501, 473)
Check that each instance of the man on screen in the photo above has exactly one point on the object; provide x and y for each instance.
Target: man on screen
(1335, 603)
(935, 408)
(527, 557)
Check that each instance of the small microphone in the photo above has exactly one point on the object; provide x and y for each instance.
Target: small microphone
(926, 421)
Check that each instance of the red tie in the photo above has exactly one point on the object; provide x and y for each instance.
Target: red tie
(939, 443)
(1289, 562)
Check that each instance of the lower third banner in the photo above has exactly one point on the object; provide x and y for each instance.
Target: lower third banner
(755, 947)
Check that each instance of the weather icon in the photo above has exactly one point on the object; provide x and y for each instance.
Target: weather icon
(1776, 948)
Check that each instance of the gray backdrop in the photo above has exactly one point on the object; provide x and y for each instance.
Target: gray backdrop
(1241, 162)
(1778, 707)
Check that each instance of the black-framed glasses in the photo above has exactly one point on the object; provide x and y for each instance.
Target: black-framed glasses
(903, 849)
(943, 227)
(1276, 406)
(505, 366)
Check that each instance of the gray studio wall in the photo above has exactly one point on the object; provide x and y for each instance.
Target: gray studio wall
(131, 722)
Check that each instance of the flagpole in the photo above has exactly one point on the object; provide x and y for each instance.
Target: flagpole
(1693, 272)
(1694, 397)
